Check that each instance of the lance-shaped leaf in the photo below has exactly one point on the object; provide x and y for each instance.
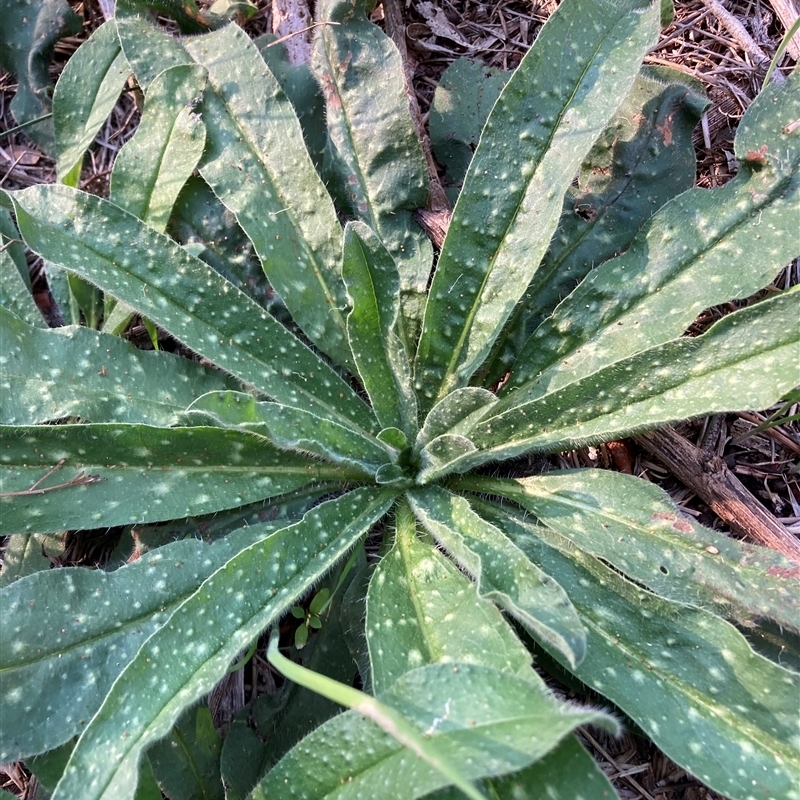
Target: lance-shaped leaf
(304, 93)
(200, 221)
(51, 374)
(376, 159)
(643, 159)
(545, 121)
(257, 164)
(635, 527)
(291, 428)
(177, 665)
(109, 247)
(688, 678)
(186, 763)
(86, 93)
(567, 773)
(15, 281)
(152, 167)
(501, 570)
(483, 721)
(422, 610)
(695, 253)
(461, 104)
(148, 50)
(76, 476)
(374, 327)
(96, 621)
(747, 360)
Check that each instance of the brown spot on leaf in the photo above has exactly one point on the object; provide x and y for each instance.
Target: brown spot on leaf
(784, 572)
(757, 156)
(330, 91)
(666, 129)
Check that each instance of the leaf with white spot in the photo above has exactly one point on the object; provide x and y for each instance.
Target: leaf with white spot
(643, 159)
(96, 621)
(747, 360)
(687, 677)
(422, 610)
(152, 166)
(374, 327)
(86, 93)
(696, 252)
(257, 164)
(105, 245)
(186, 763)
(503, 573)
(566, 773)
(635, 527)
(15, 281)
(148, 50)
(57, 477)
(375, 164)
(187, 655)
(55, 373)
(483, 721)
(292, 428)
(545, 121)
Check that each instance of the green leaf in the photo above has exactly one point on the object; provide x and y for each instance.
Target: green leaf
(25, 554)
(461, 104)
(96, 622)
(455, 415)
(86, 93)
(185, 12)
(256, 163)
(304, 93)
(374, 327)
(274, 723)
(695, 253)
(479, 719)
(231, 608)
(15, 281)
(148, 50)
(186, 762)
(152, 167)
(292, 428)
(633, 526)
(581, 67)
(501, 570)
(376, 163)
(643, 159)
(143, 268)
(27, 38)
(422, 610)
(206, 228)
(747, 360)
(566, 773)
(688, 678)
(108, 474)
(56, 373)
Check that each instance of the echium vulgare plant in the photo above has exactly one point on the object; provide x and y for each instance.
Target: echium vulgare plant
(329, 384)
